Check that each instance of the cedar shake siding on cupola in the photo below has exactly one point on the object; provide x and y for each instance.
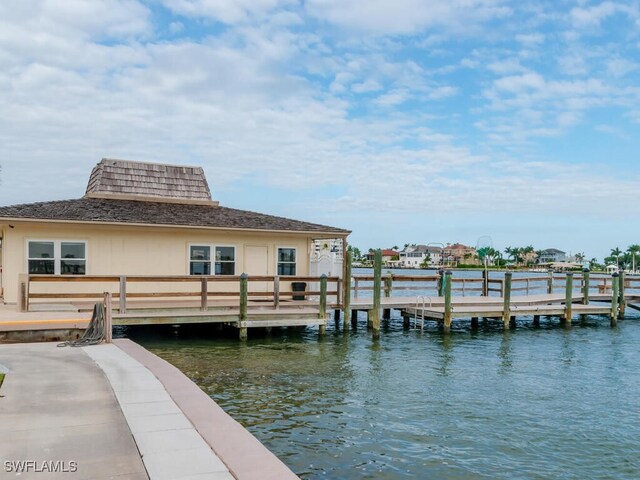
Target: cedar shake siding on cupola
(95, 210)
(127, 179)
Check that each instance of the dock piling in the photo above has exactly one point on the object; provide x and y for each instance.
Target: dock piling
(322, 313)
(485, 283)
(374, 313)
(615, 291)
(550, 281)
(108, 318)
(123, 295)
(585, 286)
(622, 302)
(203, 294)
(506, 313)
(446, 286)
(568, 298)
(388, 286)
(244, 300)
(347, 291)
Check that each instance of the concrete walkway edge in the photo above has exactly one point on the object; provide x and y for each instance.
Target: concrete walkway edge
(243, 454)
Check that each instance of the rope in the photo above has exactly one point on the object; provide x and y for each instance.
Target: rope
(94, 333)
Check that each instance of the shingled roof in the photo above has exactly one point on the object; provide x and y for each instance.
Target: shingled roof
(129, 180)
(99, 210)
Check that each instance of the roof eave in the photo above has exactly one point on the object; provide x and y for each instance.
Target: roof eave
(318, 233)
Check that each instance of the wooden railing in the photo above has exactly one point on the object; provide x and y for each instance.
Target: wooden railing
(272, 289)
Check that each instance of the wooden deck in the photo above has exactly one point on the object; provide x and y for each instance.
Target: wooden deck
(270, 301)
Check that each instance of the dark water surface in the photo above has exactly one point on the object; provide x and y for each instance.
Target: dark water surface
(534, 402)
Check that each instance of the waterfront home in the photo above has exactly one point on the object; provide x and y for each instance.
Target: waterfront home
(551, 255)
(458, 253)
(389, 257)
(415, 256)
(141, 218)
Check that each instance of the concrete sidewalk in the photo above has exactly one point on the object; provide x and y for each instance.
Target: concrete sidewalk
(59, 412)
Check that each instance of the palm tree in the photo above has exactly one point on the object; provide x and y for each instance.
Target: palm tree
(633, 250)
(580, 257)
(511, 252)
(616, 252)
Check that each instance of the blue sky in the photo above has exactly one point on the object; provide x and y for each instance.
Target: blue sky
(405, 121)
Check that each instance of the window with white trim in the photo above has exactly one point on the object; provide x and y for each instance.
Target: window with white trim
(55, 257)
(201, 260)
(286, 261)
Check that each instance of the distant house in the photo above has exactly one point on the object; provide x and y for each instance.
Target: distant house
(388, 256)
(150, 219)
(414, 256)
(458, 253)
(551, 255)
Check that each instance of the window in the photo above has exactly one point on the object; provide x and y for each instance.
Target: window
(56, 257)
(224, 260)
(286, 261)
(200, 260)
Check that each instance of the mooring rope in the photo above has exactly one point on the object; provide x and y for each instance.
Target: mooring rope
(94, 333)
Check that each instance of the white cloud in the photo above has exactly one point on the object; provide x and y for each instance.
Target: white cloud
(592, 17)
(407, 16)
(227, 11)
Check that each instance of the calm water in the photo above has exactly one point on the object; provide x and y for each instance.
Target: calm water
(534, 402)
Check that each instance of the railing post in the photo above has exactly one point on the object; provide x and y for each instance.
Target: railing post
(446, 287)
(585, 286)
(615, 292)
(550, 282)
(347, 291)
(568, 298)
(374, 313)
(276, 292)
(622, 302)
(108, 317)
(506, 294)
(244, 300)
(322, 313)
(203, 294)
(23, 291)
(123, 295)
(355, 287)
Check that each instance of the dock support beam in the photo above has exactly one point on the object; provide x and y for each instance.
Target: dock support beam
(568, 299)
(322, 314)
(244, 300)
(585, 286)
(615, 292)
(622, 303)
(374, 313)
(446, 286)
(347, 292)
(536, 320)
(550, 282)
(506, 313)
(474, 322)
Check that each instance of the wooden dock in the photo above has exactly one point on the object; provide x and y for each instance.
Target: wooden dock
(248, 302)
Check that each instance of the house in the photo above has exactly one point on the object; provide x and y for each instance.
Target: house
(141, 218)
(389, 256)
(414, 256)
(459, 253)
(551, 255)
